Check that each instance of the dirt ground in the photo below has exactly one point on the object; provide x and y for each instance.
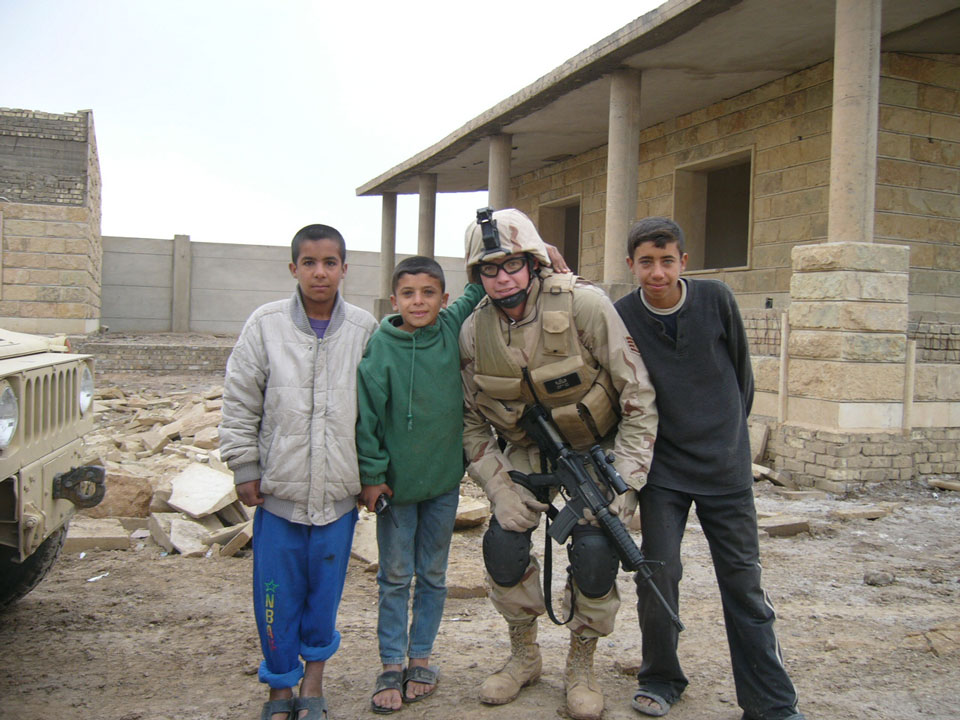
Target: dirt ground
(143, 635)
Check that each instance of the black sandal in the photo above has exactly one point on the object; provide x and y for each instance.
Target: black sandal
(420, 674)
(387, 680)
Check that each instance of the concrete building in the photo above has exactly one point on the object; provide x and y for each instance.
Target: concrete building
(812, 153)
(50, 250)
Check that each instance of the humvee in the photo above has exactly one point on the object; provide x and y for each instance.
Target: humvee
(46, 406)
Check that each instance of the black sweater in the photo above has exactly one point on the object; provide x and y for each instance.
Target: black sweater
(704, 384)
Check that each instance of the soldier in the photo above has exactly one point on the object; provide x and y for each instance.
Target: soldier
(553, 338)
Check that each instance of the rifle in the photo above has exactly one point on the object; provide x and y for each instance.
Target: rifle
(582, 493)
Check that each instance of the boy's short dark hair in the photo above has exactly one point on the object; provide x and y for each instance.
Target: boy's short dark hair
(658, 230)
(416, 265)
(317, 232)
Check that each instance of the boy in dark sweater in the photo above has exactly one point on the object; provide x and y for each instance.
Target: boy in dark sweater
(410, 448)
(694, 346)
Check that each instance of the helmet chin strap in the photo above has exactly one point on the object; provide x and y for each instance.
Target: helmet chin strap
(511, 301)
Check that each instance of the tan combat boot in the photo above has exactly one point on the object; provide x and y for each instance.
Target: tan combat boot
(522, 669)
(584, 697)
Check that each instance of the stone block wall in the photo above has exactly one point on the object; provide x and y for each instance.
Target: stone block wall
(140, 355)
(918, 173)
(43, 157)
(843, 461)
(49, 222)
(583, 177)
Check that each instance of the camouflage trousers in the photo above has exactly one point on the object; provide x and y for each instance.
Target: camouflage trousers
(592, 617)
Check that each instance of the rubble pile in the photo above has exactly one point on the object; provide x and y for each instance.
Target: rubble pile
(165, 479)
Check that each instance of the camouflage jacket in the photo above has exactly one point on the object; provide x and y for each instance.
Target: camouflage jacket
(602, 333)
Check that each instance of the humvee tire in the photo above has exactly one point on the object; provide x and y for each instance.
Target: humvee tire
(17, 579)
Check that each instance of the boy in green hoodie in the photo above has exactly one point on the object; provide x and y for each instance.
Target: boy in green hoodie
(410, 448)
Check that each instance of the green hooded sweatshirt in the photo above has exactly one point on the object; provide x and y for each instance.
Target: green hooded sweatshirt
(410, 405)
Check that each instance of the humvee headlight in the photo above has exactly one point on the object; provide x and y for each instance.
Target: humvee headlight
(86, 389)
(9, 414)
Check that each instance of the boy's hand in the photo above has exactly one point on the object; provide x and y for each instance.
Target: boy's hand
(249, 493)
(556, 259)
(370, 493)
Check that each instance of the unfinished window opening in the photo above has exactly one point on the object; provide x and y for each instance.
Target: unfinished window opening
(712, 205)
(559, 224)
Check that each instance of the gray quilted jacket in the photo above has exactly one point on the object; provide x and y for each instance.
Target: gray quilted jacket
(290, 409)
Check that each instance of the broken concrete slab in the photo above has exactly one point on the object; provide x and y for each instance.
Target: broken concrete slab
(131, 524)
(784, 525)
(788, 494)
(197, 420)
(153, 442)
(159, 525)
(186, 536)
(85, 533)
(225, 534)
(238, 542)
(213, 393)
(207, 438)
(944, 484)
(864, 512)
(471, 512)
(235, 513)
(200, 490)
(761, 472)
(217, 464)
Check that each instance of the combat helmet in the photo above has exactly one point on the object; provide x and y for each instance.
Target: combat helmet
(498, 234)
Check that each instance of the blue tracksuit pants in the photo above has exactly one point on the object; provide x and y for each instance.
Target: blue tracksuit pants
(298, 577)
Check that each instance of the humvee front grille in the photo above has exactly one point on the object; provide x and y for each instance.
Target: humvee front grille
(49, 402)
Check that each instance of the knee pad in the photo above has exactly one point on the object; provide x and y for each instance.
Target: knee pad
(506, 554)
(593, 561)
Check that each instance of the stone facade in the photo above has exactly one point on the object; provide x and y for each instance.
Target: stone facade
(871, 382)
(49, 222)
(784, 126)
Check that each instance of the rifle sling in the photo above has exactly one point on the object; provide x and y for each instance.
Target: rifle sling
(548, 564)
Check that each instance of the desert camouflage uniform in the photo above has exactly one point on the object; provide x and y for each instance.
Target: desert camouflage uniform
(602, 336)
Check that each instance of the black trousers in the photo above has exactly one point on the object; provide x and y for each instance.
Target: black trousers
(729, 522)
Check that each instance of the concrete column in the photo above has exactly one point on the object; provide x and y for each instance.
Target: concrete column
(428, 214)
(856, 92)
(180, 305)
(623, 163)
(388, 252)
(498, 181)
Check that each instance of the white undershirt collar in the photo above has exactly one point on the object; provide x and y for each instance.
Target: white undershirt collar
(667, 311)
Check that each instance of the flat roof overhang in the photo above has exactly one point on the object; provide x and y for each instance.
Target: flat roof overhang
(691, 53)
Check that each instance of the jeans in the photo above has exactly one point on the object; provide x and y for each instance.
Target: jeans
(421, 546)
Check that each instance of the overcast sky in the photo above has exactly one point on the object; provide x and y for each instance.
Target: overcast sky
(243, 120)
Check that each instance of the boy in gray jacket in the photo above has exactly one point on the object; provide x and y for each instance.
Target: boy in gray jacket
(288, 435)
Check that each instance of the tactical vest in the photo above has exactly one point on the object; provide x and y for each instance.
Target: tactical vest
(567, 380)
